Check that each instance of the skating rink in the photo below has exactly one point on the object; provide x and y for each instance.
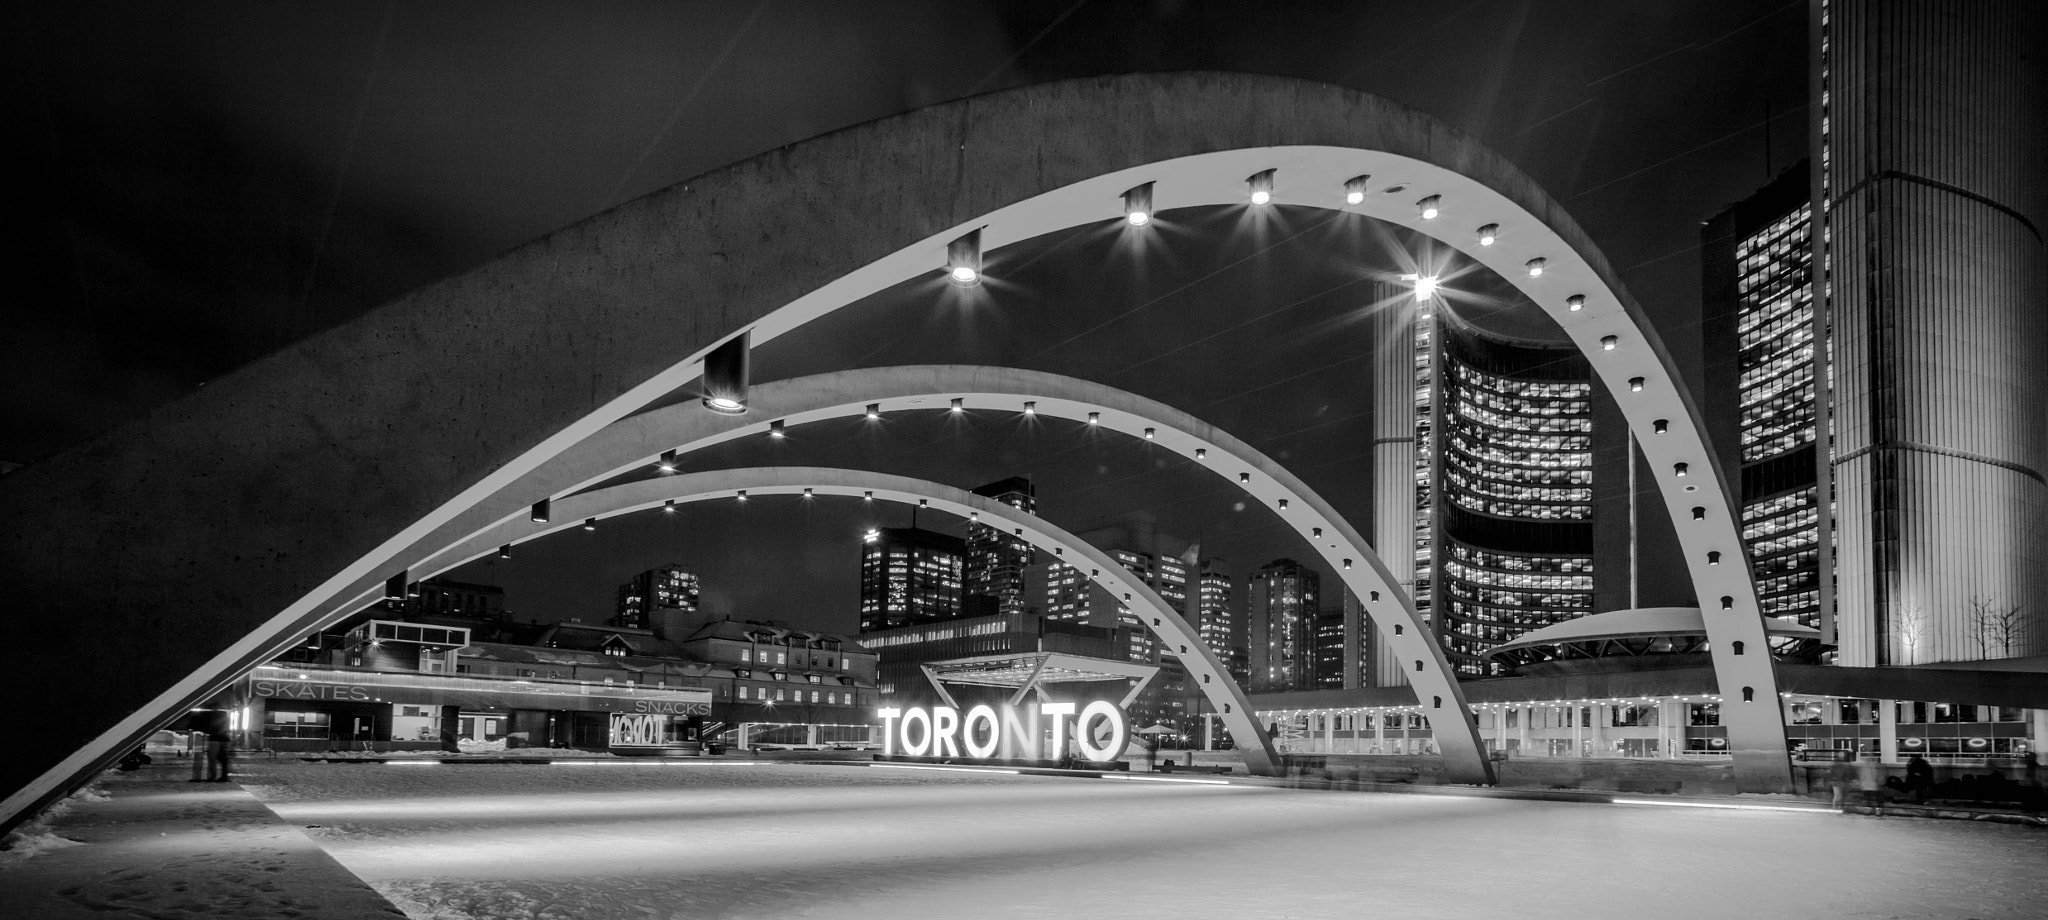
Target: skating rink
(769, 840)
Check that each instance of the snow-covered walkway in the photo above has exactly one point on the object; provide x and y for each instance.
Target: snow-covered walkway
(706, 839)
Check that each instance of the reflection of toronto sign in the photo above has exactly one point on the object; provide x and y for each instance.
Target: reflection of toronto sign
(941, 731)
(638, 729)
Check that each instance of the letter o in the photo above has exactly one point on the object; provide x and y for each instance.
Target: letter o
(916, 714)
(1119, 733)
(980, 713)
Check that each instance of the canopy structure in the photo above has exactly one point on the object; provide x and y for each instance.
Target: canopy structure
(1029, 672)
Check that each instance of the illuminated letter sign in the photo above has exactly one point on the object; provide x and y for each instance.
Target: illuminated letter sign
(1100, 731)
(638, 729)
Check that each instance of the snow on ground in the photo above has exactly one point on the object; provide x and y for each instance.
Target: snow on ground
(711, 839)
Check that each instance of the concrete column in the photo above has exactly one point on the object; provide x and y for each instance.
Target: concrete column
(1522, 726)
(1887, 731)
(1379, 730)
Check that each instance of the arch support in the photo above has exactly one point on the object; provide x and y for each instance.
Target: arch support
(1172, 629)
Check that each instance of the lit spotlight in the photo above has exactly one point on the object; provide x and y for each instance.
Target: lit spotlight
(1575, 303)
(539, 514)
(1678, 469)
(1425, 286)
(963, 259)
(590, 523)
(1354, 189)
(1635, 384)
(668, 507)
(1149, 433)
(1535, 267)
(741, 495)
(667, 463)
(959, 404)
(1430, 207)
(874, 410)
(1201, 452)
(725, 376)
(1488, 234)
(775, 429)
(868, 495)
(1030, 408)
(1244, 477)
(1607, 342)
(807, 491)
(1138, 205)
(1094, 418)
(1261, 186)
(505, 551)
(394, 587)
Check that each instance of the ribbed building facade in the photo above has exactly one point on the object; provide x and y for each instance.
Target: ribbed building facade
(1930, 145)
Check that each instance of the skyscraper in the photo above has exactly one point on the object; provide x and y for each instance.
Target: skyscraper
(1285, 599)
(996, 561)
(1215, 614)
(1762, 374)
(1490, 493)
(666, 589)
(1929, 130)
(909, 576)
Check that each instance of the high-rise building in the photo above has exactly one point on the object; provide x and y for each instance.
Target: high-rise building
(909, 576)
(1344, 643)
(668, 589)
(1491, 490)
(1929, 133)
(996, 561)
(1763, 375)
(1285, 599)
(1214, 613)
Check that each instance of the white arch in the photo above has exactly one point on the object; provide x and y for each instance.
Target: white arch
(634, 442)
(225, 485)
(1173, 630)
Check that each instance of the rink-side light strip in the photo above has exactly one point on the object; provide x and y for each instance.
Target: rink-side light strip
(1165, 779)
(1730, 805)
(919, 766)
(657, 763)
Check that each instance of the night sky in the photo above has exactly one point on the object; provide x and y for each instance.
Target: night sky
(207, 183)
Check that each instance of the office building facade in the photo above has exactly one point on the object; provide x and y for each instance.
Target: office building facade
(1284, 602)
(909, 576)
(996, 562)
(1761, 336)
(668, 590)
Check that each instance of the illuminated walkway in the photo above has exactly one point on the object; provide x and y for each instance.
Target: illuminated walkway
(784, 840)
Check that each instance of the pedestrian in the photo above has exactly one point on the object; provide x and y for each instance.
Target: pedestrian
(1919, 777)
(220, 748)
(1867, 782)
(1840, 777)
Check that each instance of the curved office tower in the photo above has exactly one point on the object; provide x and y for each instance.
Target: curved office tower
(1931, 150)
(1501, 441)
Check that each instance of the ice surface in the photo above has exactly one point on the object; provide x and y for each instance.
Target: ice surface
(703, 839)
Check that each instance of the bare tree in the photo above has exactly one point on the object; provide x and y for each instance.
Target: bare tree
(1911, 628)
(1995, 626)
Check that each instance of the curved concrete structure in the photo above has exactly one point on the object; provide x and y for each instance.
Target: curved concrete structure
(633, 443)
(288, 479)
(1173, 630)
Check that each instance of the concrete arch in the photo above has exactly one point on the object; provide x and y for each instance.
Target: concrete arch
(634, 442)
(241, 503)
(1172, 629)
